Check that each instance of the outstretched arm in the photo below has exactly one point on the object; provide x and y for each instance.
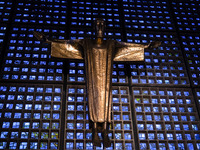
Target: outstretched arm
(132, 52)
(62, 48)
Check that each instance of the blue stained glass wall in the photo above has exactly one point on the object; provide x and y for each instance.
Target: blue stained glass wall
(163, 114)
(164, 65)
(26, 58)
(147, 14)
(191, 48)
(83, 12)
(2, 35)
(187, 15)
(155, 103)
(53, 12)
(30, 120)
(5, 10)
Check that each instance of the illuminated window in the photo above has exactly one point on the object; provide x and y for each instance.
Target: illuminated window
(154, 101)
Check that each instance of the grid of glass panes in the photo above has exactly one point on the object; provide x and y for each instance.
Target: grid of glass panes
(163, 65)
(119, 74)
(166, 118)
(85, 11)
(187, 15)
(2, 32)
(147, 14)
(5, 10)
(29, 59)
(30, 116)
(41, 12)
(191, 46)
(76, 72)
(2, 35)
(78, 134)
(81, 33)
(198, 96)
(122, 128)
(113, 34)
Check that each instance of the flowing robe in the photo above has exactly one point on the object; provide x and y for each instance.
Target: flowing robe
(98, 63)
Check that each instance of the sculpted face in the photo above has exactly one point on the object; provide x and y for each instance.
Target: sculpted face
(99, 28)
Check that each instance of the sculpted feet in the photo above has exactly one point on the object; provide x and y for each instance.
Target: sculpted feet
(106, 140)
(95, 138)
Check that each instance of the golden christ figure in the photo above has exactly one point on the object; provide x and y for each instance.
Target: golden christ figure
(99, 56)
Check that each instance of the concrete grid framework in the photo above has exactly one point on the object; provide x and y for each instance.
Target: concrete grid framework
(43, 102)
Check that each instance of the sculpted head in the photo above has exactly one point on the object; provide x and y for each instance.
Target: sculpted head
(99, 27)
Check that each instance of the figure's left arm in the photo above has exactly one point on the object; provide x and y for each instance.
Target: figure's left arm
(71, 49)
(132, 52)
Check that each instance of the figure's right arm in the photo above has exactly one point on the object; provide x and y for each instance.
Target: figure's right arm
(132, 51)
(70, 49)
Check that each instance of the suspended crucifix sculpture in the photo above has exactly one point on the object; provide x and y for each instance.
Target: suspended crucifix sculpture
(99, 56)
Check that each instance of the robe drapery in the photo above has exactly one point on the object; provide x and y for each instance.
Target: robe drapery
(98, 63)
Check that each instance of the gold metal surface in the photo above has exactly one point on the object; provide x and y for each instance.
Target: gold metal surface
(66, 49)
(129, 52)
(99, 56)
